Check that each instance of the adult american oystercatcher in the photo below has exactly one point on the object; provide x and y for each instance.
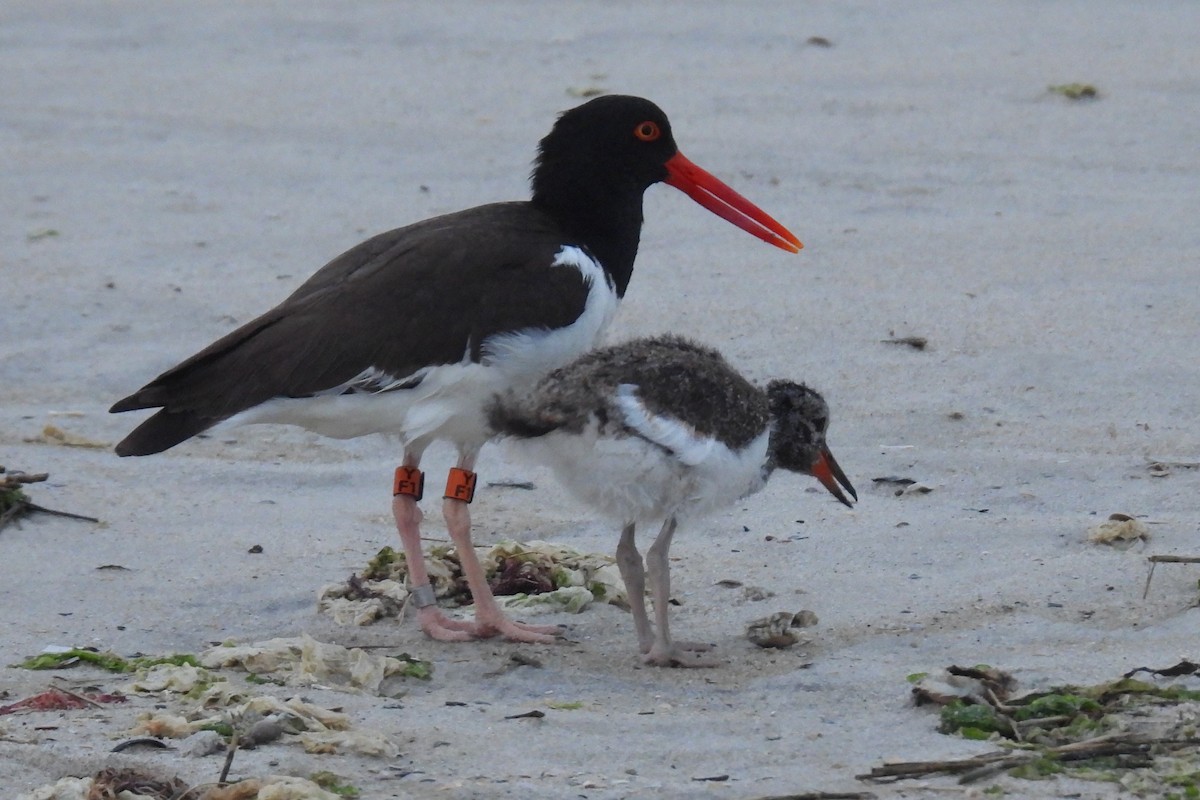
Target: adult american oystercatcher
(414, 330)
(665, 428)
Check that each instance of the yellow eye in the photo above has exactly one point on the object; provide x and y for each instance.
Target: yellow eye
(647, 131)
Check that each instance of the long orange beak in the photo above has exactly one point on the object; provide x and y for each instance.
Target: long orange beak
(708, 191)
(827, 471)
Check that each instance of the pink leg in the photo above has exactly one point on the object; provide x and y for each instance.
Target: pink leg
(490, 620)
(664, 652)
(433, 621)
(629, 562)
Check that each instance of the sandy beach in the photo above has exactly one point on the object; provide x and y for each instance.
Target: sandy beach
(172, 170)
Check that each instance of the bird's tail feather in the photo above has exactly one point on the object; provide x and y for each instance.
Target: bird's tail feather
(163, 431)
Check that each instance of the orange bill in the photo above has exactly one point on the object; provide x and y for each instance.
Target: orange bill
(707, 190)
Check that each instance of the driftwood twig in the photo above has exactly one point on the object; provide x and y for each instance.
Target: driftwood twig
(58, 687)
(230, 752)
(15, 504)
(976, 767)
(1156, 560)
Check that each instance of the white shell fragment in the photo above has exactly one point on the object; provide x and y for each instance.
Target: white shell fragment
(304, 661)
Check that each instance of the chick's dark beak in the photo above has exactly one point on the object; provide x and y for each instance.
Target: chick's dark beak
(827, 471)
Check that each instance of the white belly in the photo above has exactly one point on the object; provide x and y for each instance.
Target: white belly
(632, 480)
(448, 402)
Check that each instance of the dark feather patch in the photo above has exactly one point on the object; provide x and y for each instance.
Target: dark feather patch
(427, 294)
(675, 377)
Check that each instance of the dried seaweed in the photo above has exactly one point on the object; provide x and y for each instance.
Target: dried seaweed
(525, 575)
(1075, 91)
(111, 783)
(14, 503)
(107, 661)
(56, 698)
(1137, 732)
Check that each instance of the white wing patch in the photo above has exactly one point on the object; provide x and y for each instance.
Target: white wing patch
(688, 446)
(535, 351)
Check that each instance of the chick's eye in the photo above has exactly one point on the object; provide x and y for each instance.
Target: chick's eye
(647, 131)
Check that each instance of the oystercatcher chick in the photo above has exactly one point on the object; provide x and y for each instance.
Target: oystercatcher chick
(413, 331)
(664, 428)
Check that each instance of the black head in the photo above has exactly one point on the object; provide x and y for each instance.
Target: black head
(598, 160)
(800, 418)
(611, 141)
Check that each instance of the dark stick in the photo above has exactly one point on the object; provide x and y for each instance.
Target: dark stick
(229, 753)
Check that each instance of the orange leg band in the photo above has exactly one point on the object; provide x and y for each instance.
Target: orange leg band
(460, 485)
(409, 481)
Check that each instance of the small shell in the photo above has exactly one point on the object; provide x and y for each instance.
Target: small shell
(1119, 530)
(201, 744)
(780, 629)
(265, 730)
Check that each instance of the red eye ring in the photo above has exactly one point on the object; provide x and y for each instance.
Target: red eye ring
(647, 131)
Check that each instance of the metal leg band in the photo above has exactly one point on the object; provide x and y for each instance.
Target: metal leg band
(423, 595)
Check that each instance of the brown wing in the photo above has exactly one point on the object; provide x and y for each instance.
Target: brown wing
(417, 296)
(675, 377)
